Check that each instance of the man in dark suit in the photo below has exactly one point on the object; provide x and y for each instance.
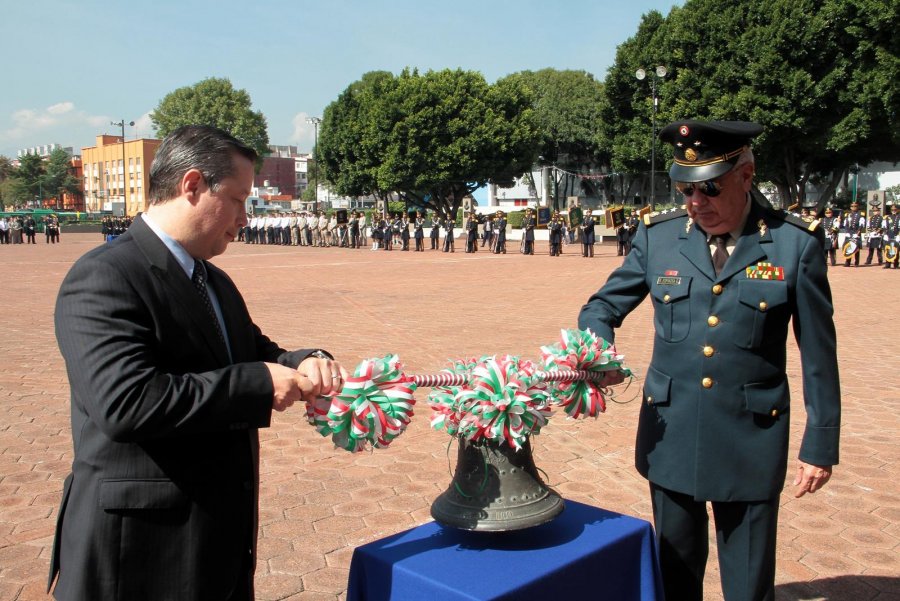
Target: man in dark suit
(170, 381)
(726, 274)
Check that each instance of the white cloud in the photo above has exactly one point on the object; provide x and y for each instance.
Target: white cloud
(143, 126)
(32, 126)
(304, 134)
(60, 108)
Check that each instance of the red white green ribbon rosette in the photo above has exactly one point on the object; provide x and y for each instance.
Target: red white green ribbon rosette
(502, 401)
(374, 406)
(581, 350)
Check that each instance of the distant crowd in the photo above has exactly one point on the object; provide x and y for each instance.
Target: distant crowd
(23, 229)
(404, 232)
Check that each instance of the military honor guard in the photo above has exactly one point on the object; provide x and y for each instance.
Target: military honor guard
(449, 224)
(528, 225)
(854, 224)
(726, 275)
(892, 237)
(419, 232)
(588, 236)
(471, 232)
(435, 233)
(555, 228)
(500, 233)
(875, 235)
(831, 225)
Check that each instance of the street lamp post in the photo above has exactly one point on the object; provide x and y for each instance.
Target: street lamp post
(657, 74)
(315, 121)
(124, 167)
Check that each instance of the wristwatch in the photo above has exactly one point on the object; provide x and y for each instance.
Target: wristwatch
(320, 354)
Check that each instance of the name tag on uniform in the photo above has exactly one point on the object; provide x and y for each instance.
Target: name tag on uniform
(668, 281)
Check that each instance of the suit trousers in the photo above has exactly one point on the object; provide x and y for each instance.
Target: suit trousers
(745, 538)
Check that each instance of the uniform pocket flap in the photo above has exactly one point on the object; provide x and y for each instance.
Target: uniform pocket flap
(140, 494)
(656, 387)
(767, 398)
(670, 288)
(762, 294)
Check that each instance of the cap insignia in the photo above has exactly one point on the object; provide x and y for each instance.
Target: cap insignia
(690, 155)
(684, 131)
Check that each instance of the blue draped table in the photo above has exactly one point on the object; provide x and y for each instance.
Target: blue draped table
(585, 553)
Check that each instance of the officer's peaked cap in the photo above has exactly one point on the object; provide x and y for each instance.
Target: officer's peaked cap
(707, 149)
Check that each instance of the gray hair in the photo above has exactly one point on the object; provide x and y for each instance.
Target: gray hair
(207, 149)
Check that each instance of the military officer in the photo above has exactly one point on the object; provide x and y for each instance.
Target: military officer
(875, 232)
(555, 228)
(435, 233)
(725, 274)
(419, 233)
(500, 233)
(588, 237)
(449, 224)
(854, 225)
(528, 224)
(831, 225)
(892, 236)
(472, 232)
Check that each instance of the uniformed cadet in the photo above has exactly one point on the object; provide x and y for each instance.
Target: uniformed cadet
(854, 225)
(449, 224)
(875, 235)
(528, 224)
(555, 228)
(588, 236)
(419, 233)
(500, 233)
(471, 232)
(831, 225)
(725, 275)
(892, 237)
(435, 233)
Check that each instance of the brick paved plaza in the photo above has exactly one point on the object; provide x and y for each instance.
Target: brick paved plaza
(318, 503)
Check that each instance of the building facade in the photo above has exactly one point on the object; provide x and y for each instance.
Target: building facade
(116, 174)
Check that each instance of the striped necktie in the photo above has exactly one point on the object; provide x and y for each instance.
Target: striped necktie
(199, 280)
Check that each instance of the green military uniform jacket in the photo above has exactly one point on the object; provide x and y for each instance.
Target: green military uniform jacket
(715, 416)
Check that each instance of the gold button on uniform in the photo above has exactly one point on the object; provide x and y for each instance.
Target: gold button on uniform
(649, 400)
(667, 298)
(709, 351)
(774, 412)
(707, 382)
(763, 306)
(713, 321)
(717, 289)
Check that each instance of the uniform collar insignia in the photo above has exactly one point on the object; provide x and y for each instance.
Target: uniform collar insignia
(762, 228)
(687, 226)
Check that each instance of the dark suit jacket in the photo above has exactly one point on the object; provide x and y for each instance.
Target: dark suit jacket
(715, 418)
(162, 499)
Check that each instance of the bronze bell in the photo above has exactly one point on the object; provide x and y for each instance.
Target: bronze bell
(495, 488)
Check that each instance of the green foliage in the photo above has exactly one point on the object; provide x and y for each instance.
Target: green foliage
(821, 76)
(59, 178)
(433, 138)
(213, 102)
(29, 178)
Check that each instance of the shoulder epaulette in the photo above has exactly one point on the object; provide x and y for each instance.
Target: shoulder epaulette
(660, 216)
(795, 219)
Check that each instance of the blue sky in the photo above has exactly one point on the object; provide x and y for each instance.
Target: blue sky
(69, 68)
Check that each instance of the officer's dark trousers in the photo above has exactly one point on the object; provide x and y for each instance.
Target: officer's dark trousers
(745, 536)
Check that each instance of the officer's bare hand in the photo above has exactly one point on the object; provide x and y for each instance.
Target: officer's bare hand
(325, 376)
(288, 384)
(810, 478)
(611, 378)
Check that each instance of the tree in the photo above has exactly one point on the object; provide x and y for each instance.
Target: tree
(567, 109)
(29, 178)
(213, 102)
(353, 136)
(433, 138)
(7, 170)
(819, 76)
(59, 178)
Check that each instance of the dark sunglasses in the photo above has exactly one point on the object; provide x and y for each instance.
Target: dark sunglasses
(710, 188)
